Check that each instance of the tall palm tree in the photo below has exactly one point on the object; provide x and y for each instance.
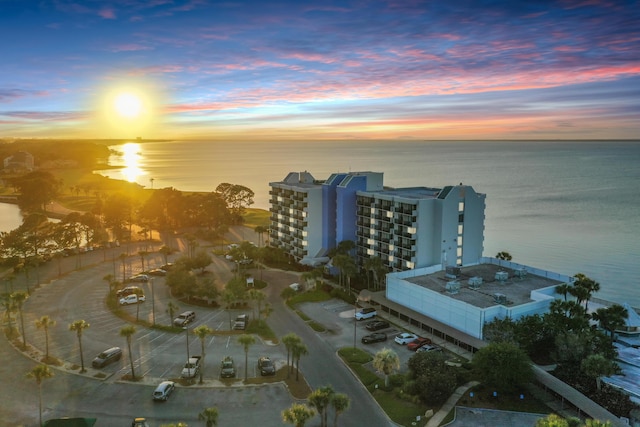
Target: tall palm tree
(165, 251)
(563, 289)
(299, 350)
(386, 361)
(9, 306)
(611, 318)
(123, 257)
(289, 341)
(19, 298)
(246, 341)
(320, 399)
(260, 230)
(588, 284)
(202, 332)
(142, 255)
(172, 309)
(209, 416)
(258, 297)
(40, 373)
(297, 414)
(45, 322)
(340, 403)
(127, 332)
(78, 326)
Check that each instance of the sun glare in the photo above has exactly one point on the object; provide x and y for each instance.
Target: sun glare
(129, 109)
(128, 105)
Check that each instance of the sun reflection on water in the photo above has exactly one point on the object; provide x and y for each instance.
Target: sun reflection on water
(131, 159)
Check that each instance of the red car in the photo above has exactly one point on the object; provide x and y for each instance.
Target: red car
(417, 343)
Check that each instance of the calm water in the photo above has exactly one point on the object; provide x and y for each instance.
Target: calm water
(567, 207)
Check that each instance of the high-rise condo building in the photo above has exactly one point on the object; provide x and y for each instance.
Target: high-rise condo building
(406, 228)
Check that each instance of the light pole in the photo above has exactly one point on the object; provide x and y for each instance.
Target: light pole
(153, 302)
(186, 328)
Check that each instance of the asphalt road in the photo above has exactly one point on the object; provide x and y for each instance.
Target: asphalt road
(159, 355)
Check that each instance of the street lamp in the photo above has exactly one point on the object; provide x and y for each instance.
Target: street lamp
(153, 302)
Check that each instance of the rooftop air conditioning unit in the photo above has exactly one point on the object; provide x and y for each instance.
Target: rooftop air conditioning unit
(474, 282)
(502, 276)
(453, 287)
(499, 298)
(452, 272)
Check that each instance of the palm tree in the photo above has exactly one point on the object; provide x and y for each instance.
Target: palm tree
(40, 373)
(172, 309)
(297, 414)
(123, 257)
(19, 298)
(209, 416)
(611, 318)
(165, 251)
(78, 326)
(127, 332)
(320, 400)
(258, 297)
(289, 341)
(267, 310)
(340, 403)
(260, 230)
(386, 361)
(138, 293)
(298, 350)
(246, 341)
(142, 255)
(563, 289)
(590, 286)
(9, 306)
(44, 323)
(202, 332)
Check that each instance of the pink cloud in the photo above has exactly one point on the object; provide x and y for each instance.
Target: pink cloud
(107, 13)
(129, 47)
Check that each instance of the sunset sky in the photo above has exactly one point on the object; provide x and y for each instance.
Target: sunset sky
(296, 70)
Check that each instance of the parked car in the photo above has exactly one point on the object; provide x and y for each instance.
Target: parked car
(164, 390)
(417, 343)
(241, 322)
(375, 337)
(377, 325)
(139, 278)
(266, 366)
(139, 422)
(106, 357)
(132, 299)
(185, 318)
(405, 338)
(366, 313)
(127, 291)
(157, 272)
(166, 267)
(227, 368)
(428, 348)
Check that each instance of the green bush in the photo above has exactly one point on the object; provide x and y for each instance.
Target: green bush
(343, 295)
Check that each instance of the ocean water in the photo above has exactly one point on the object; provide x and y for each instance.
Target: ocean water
(565, 206)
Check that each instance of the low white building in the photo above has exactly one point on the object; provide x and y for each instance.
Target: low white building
(465, 298)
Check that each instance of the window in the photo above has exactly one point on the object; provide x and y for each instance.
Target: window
(460, 206)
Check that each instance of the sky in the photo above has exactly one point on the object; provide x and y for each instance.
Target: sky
(312, 70)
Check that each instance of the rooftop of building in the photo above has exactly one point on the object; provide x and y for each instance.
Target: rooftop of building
(409, 192)
(516, 286)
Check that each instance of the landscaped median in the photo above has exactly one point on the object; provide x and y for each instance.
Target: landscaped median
(401, 408)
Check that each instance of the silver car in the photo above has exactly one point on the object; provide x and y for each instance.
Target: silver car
(163, 391)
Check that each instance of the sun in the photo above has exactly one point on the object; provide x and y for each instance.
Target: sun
(127, 105)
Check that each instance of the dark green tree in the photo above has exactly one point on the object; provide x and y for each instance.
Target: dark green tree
(503, 366)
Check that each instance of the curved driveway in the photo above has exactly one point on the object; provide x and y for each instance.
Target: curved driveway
(159, 355)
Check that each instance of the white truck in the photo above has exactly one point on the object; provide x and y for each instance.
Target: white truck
(241, 322)
(191, 368)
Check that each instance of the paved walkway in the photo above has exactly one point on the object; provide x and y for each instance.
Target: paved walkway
(450, 404)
